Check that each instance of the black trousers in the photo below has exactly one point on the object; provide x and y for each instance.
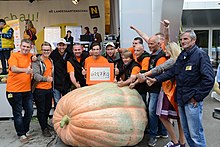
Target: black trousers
(43, 101)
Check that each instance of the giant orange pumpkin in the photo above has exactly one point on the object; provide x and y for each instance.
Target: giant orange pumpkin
(100, 115)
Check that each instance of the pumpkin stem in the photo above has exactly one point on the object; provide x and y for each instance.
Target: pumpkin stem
(64, 121)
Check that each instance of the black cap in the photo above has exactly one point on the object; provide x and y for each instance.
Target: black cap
(2, 20)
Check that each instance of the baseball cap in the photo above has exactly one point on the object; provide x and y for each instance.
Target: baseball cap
(110, 44)
(2, 21)
(61, 40)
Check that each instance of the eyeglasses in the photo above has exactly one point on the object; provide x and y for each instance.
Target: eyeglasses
(46, 50)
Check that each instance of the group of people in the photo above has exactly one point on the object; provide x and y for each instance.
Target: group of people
(95, 36)
(41, 78)
(88, 36)
(177, 82)
(171, 81)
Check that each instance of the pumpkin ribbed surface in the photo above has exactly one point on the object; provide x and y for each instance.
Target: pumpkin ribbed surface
(100, 115)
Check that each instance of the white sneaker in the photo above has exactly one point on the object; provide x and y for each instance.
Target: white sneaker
(169, 144)
(152, 142)
(162, 136)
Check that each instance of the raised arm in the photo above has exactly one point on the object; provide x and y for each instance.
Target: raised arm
(166, 24)
(142, 34)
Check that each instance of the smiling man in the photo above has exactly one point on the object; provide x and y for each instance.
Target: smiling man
(114, 57)
(194, 80)
(96, 55)
(75, 64)
(61, 77)
(18, 89)
(157, 57)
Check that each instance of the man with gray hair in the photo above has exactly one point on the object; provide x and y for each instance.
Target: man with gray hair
(157, 57)
(194, 77)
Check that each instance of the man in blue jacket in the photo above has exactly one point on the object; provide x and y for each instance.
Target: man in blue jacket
(194, 78)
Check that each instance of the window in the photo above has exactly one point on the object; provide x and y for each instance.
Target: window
(202, 39)
(215, 48)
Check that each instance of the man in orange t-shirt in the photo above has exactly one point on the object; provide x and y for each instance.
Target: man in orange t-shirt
(142, 57)
(18, 90)
(136, 41)
(43, 92)
(96, 55)
(75, 64)
(95, 58)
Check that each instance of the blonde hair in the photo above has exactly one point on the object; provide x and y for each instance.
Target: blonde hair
(174, 50)
(127, 54)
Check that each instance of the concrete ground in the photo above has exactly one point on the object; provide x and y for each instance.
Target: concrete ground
(8, 137)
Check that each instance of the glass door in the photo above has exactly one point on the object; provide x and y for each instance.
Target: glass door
(202, 40)
(215, 47)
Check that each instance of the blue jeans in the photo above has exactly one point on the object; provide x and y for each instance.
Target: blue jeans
(191, 121)
(4, 55)
(155, 125)
(19, 100)
(43, 101)
(56, 95)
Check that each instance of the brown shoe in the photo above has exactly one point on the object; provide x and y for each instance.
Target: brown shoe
(46, 133)
(29, 136)
(23, 139)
